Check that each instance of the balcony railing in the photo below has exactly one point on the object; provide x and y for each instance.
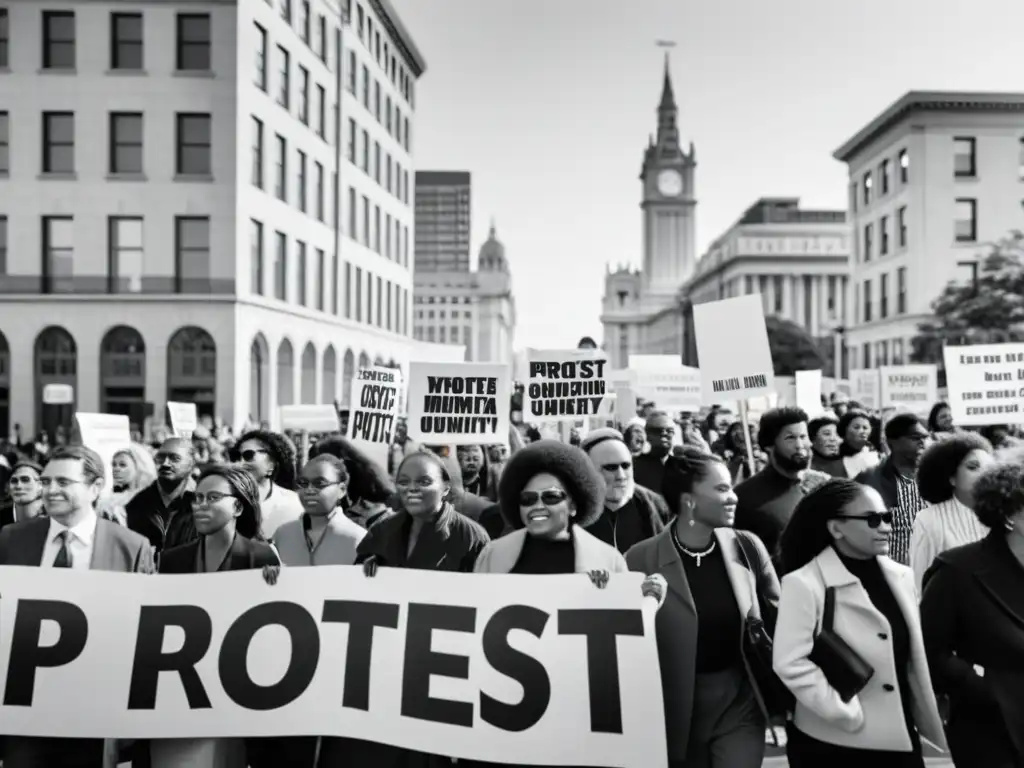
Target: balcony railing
(103, 285)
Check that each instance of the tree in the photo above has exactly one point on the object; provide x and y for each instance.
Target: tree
(986, 310)
(793, 349)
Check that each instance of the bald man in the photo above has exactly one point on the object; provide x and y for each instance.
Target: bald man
(632, 513)
(162, 512)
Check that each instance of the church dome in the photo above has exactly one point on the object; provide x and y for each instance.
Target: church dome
(492, 254)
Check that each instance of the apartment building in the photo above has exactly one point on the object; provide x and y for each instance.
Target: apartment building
(207, 202)
(933, 180)
(443, 219)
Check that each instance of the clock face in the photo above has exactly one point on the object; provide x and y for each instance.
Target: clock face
(670, 183)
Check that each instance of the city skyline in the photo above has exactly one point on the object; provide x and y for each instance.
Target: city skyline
(747, 79)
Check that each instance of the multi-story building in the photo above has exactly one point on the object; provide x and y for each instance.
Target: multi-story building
(797, 259)
(640, 311)
(933, 180)
(474, 309)
(443, 217)
(201, 201)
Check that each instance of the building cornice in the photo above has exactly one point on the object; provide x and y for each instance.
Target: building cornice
(400, 35)
(929, 101)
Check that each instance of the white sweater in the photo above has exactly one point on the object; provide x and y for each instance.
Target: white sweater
(938, 528)
(278, 508)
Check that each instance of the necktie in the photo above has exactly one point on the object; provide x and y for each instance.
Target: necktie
(63, 558)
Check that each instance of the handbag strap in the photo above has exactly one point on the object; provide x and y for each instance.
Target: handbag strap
(830, 609)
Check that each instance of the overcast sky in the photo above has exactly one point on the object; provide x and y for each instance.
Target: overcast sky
(549, 103)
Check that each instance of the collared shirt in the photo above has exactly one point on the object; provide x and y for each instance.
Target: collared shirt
(79, 543)
(908, 504)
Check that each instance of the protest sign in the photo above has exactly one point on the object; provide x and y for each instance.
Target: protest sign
(309, 418)
(808, 392)
(564, 385)
(732, 349)
(908, 387)
(459, 403)
(985, 384)
(665, 380)
(534, 670)
(183, 419)
(105, 433)
(375, 402)
(865, 388)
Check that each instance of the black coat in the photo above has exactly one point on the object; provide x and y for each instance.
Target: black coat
(972, 614)
(452, 543)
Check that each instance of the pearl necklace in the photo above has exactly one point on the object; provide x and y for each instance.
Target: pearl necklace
(695, 555)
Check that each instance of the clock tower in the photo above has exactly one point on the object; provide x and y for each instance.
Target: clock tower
(669, 203)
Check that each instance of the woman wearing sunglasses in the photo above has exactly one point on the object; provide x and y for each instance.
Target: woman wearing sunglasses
(838, 537)
(270, 458)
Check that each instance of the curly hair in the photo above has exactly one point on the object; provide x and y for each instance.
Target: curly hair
(774, 421)
(999, 495)
(368, 481)
(844, 425)
(281, 451)
(933, 416)
(940, 462)
(569, 464)
(246, 491)
(683, 470)
(806, 535)
(816, 425)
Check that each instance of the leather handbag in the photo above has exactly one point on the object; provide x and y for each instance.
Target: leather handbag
(843, 667)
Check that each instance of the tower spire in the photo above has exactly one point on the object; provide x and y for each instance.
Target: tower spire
(668, 131)
(493, 234)
(668, 97)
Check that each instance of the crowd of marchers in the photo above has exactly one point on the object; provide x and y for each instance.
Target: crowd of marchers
(859, 585)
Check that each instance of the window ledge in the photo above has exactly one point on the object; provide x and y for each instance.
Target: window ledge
(57, 71)
(126, 73)
(966, 177)
(966, 243)
(127, 177)
(201, 73)
(201, 178)
(58, 176)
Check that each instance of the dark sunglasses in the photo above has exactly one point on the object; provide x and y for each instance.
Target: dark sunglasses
(549, 498)
(873, 519)
(250, 454)
(625, 465)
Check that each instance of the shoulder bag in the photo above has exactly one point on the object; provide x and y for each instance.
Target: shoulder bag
(843, 667)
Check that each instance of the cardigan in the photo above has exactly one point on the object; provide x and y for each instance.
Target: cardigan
(591, 554)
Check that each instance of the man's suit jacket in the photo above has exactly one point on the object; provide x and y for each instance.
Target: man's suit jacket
(115, 548)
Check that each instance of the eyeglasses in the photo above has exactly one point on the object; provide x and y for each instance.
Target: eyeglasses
(22, 480)
(251, 454)
(302, 484)
(873, 519)
(549, 497)
(199, 499)
(625, 466)
(60, 482)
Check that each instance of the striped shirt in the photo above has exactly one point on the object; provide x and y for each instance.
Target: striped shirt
(938, 528)
(908, 504)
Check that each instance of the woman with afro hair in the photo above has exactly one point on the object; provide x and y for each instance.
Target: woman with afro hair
(270, 457)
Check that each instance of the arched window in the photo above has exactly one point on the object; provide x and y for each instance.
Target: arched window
(348, 373)
(123, 373)
(259, 379)
(378, 362)
(330, 377)
(364, 360)
(285, 373)
(56, 363)
(5, 386)
(309, 374)
(192, 369)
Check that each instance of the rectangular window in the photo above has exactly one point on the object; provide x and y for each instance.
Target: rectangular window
(301, 199)
(124, 254)
(261, 58)
(359, 295)
(256, 256)
(387, 114)
(366, 222)
(58, 40)
(867, 301)
(348, 288)
(3, 245)
(376, 161)
(304, 21)
(866, 185)
(280, 266)
(883, 236)
(366, 87)
(387, 165)
(5, 39)
(280, 173)
(58, 142)
(904, 161)
(398, 240)
(300, 280)
(351, 141)
(321, 112)
(379, 305)
(125, 142)
(126, 41)
(901, 226)
(192, 254)
(406, 139)
(366, 152)
(194, 145)
(867, 242)
(901, 290)
(376, 228)
(194, 42)
(884, 175)
(303, 95)
(389, 316)
(284, 84)
(387, 235)
(376, 100)
(257, 153)
(321, 37)
(334, 282)
(5, 144)
(286, 10)
(405, 247)
(350, 75)
(321, 274)
(883, 297)
(964, 159)
(352, 229)
(966, 220)
(58, 254)
(319, 192)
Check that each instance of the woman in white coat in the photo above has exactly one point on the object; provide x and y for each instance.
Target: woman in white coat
(838, 537)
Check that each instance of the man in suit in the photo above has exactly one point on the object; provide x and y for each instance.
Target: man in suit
(649, 468)
(71, 535)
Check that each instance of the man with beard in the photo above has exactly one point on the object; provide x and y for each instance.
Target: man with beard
(649, 468)
(767, 500)
(895, 479)
(825, 442)
(632, 513)
(162, 511)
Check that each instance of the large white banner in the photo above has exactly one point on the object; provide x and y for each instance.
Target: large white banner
(732, 349)
(984, 383)
(535, 670)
